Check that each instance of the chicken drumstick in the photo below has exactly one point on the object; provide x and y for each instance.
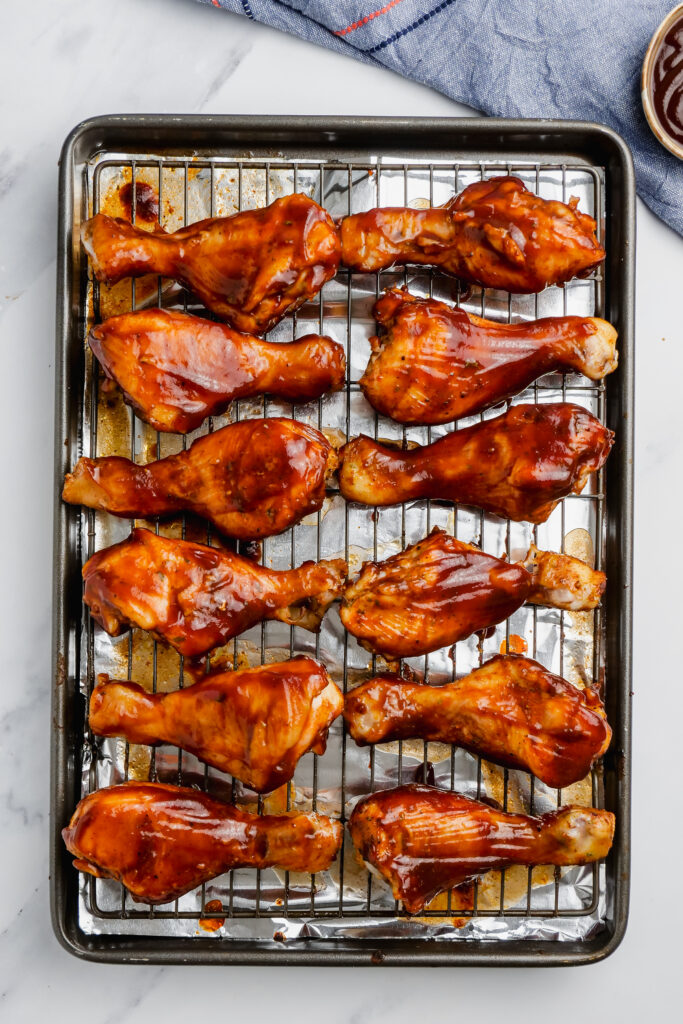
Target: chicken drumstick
(175, 369)
(518, 465)
(437, 363)
(424, 841)
(496, 233)
(161, 841)
(255, 724)
(251, 269)
(196, 597)
(441, 590)
(511, 711)
(251, 479)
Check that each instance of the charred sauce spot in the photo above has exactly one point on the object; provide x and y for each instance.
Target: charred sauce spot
(251, 549)
(146, 202)
(424, 773)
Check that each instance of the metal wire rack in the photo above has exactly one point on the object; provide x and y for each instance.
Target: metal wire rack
(186, 190)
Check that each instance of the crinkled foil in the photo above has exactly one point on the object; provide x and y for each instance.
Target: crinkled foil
(346, 901)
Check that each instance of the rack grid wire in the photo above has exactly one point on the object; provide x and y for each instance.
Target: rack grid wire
(186, 190)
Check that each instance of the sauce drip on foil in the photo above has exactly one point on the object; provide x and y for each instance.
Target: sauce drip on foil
(212, 924)
(146, 202)
(667, 82)
(515, 645)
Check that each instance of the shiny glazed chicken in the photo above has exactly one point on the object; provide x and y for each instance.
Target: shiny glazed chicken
(251, 479)
(161, 841)
(251, 269)
(518, 465)
(196, 597)
(511, 711)
(424, 841)
(255, 724)
(496, 233)
(437, 363)
(442, 590)
(175, 369)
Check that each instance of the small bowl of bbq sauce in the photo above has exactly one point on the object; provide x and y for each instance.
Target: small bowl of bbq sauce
(662, 82)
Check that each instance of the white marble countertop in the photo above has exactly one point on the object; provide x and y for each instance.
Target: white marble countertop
(66, 61)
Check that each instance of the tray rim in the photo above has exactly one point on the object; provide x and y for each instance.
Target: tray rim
(451, 132)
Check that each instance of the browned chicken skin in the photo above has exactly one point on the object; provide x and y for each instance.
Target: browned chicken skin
(442, 590)
(162, 841)
(175, 369)
(437, 363)
(496, 233)
(251, 479)
(196, 597)
(561, 581)
(511, 711)
(255, 724)
(251, 269)
(424, 841)
(518, 465)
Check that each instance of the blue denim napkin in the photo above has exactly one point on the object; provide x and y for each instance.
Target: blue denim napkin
(578, 59)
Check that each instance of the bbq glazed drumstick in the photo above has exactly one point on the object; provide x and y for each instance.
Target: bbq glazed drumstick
(437, 363)
(255, 724)
(196, 597)
(442, 590)
(251, 479)
(518, 465)
(175, 369)
(424, 841)
(511, 711)
(162, 841)
(251, 269)
(495, 233)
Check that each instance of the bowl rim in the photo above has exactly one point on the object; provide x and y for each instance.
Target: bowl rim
(657, 127)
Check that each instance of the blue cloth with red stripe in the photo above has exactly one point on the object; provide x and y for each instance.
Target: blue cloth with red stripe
(573, 59)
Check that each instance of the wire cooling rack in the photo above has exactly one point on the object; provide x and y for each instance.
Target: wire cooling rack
(267, 903)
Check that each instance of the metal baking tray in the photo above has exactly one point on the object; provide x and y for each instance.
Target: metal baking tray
(213, 165)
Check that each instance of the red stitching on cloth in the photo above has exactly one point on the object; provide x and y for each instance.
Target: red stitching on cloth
(367, 18)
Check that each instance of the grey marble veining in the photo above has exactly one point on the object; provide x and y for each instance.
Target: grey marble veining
(62, 62)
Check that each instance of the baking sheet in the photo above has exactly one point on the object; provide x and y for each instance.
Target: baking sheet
(268, 907)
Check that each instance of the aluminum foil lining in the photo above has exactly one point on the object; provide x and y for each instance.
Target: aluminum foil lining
(345, 902)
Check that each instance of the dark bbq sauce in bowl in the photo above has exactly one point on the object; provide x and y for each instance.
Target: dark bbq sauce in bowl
(667, 81)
